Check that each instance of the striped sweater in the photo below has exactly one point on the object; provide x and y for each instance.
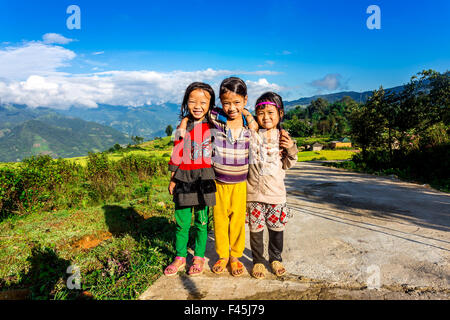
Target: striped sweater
(230, 156)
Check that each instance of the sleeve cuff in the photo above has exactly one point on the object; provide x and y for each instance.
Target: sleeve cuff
(293, 150)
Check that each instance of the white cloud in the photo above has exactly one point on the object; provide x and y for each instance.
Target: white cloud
(98, 52)
(257, 88)
(29, 74)
(33, 58)
(132, 88)
(330, 82)
(55, 38)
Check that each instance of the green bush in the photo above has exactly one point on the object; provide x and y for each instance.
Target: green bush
(429, 165)
(102, 179)
(35, 185)
(42, 183)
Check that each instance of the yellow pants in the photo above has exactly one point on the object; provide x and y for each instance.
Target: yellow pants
(229, 219)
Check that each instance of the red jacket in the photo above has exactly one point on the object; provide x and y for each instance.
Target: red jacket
(194, 150)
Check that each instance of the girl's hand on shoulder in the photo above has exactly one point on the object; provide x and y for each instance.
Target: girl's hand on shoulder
(245, 112)
(183, 123)
(172, 185)
(252, 124)
(286, 141)
(181, 129)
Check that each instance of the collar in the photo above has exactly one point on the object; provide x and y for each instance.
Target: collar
(222, 117)
(191, 122)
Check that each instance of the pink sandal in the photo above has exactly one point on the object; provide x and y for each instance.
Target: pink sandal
(172, 270)
(197, 266)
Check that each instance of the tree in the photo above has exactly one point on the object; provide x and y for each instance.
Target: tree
(422, 104)
(366, 126)
(319, 105)
(386, 106)
(137, 140)
(435, 96)
(324, 126)
(297, 127)
(169, 130)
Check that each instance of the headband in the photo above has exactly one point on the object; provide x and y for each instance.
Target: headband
(268, 102)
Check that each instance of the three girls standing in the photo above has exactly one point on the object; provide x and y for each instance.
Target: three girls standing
(237, 147)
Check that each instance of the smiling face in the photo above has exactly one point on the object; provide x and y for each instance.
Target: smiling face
(268, 116)
(233, 104)
(198, 103)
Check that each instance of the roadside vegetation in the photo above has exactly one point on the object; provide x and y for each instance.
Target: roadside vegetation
(406, 133)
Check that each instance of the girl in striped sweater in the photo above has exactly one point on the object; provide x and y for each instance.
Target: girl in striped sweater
(230, 163)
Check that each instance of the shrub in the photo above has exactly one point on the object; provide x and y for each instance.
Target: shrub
(429, 165)
(102, 179)
(35, 184)
(42, 183)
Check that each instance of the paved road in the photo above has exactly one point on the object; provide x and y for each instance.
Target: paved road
(353, 236)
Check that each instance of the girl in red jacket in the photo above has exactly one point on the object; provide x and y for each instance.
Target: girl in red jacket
(192, 183)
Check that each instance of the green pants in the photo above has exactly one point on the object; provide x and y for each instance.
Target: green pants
(183, 216)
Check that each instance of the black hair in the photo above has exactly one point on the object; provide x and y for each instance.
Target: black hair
(275, 98)
(233, 84)
(194, 86)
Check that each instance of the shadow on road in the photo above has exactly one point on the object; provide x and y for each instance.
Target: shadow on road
(362, 194)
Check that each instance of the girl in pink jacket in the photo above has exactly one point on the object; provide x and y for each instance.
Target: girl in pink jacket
(272, 152)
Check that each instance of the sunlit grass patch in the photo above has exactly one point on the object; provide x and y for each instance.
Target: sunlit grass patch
(325, 155)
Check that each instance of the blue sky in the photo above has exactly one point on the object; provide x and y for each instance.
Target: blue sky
(300, 48)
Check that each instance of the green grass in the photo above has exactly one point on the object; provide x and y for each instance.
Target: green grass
(120, 247)
(131, 241)
(158, 148)
(325, 155)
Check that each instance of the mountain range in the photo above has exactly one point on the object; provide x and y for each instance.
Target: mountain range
(25, 132)
(144, 121)
(360, 97)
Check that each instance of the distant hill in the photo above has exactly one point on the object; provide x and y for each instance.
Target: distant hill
(51, 133)
(332, 97)
(144, 121)
(12, 115)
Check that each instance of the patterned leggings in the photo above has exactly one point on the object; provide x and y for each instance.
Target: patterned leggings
(275, 217)
(260, 214)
